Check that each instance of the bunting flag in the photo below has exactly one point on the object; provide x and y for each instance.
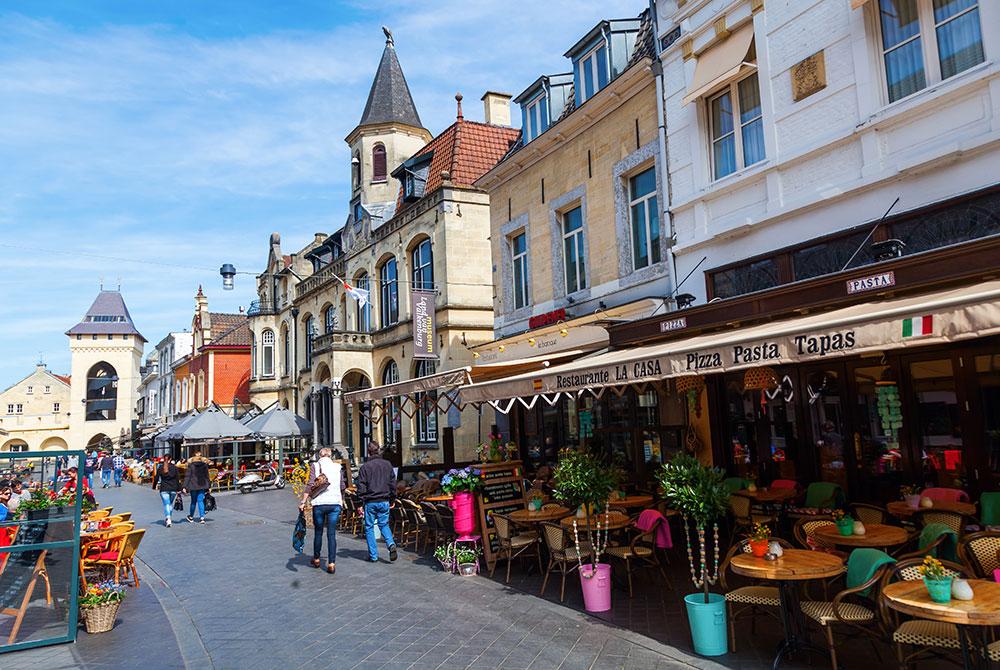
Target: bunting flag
(359, 294)
(917, 326)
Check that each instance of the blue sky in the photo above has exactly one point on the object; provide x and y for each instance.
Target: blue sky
(180, 133)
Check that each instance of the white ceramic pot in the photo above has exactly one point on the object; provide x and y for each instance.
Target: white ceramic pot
(859, 528)
(775, 548)
(960, 590)
(926, 503)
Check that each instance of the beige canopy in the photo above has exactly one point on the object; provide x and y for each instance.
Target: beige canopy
(949, 316)
(722, 63)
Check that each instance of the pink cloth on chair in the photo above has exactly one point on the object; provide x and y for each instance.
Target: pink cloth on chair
(948, 495)
(784, 484)
(648, 519)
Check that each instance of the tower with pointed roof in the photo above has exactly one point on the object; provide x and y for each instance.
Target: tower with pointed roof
(389, 132)
(106, 353)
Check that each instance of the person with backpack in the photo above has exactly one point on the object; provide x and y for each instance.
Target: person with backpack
(196, 482)
(326, 490)
(377, 489)
(165, 476)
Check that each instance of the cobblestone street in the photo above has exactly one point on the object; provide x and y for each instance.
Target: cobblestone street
(232, 594)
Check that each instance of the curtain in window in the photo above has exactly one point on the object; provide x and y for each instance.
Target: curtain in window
(904, 60)
(723, 139)
(752, 125)
(960, 43)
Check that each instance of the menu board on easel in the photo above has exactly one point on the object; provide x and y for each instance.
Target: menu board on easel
(502, 492)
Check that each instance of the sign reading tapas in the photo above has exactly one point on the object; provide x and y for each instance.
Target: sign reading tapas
(871, 283)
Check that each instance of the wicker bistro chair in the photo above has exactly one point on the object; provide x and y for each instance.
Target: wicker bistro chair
(562, 555)
(981, 553)
(803, 532)
(954, 520)
(857, 609)
(415, 526)
(930, 636)
(121, 559)
(743, 515)
(752, 597)
(869, 514)
(640, 549)
(447, 516)
(513, 544)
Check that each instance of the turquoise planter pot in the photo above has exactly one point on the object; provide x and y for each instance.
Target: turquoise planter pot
(846, 526)
(939, 589)
(708, 623)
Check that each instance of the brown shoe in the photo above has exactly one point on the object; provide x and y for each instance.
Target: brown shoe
(331, 568)
(314, 562)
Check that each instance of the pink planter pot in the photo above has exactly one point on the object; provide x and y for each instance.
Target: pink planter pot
(465, 513)
(596, 587)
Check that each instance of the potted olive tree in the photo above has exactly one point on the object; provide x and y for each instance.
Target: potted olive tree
(584, 480)
(697, 492)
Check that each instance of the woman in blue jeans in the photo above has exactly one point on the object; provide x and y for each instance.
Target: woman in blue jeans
(165, 476)
(326, 506)
(196, 482)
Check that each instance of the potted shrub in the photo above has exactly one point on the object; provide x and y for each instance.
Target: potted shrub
(461, 484)
(937, 581)
(759, 536)
(583, 480)
(443, 553)
(99, 606)
(845, 524)
(535, 500)
(698, 493)
(467, 561)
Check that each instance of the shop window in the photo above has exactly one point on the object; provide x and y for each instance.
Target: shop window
(391, 415)
(938, 423)
(827, 427)
(756, 276)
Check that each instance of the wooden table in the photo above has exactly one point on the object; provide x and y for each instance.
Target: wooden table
(614, 521)
(441, 497)
(876, 535)
(631, 501)
(795, 565)
(900, 509)
(969, 615)
(768, 496)
(527, 516)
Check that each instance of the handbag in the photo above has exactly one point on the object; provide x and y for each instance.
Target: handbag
(320, 484)
(179, 503)
(210, 505)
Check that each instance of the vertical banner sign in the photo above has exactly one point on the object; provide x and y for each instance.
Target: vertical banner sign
(422, 309)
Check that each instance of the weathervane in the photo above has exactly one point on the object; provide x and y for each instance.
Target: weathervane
(388, 36)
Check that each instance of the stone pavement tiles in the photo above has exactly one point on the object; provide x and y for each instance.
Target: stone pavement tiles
(232, 594)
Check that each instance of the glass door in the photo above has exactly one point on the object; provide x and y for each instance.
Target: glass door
(937, 425)
(822, 395)
(878, 459)
(763, 429)
(987, 378)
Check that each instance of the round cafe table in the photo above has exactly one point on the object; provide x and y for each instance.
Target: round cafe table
(769, 496)
(794, 565)
(970, 616)
(441, 497)
(527, 516)
(899, 508)
(631, 501)
(876, 535)
(613, 521)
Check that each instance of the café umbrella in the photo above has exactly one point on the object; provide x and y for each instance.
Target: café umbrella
(173, 432)
(213, 424)
(280, 422)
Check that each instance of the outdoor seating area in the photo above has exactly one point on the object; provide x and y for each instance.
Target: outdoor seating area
(109, 542)
(845, 582)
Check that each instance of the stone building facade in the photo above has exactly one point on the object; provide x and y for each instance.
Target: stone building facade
(34, 412)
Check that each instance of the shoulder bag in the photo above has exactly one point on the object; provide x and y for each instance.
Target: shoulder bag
(320, 484)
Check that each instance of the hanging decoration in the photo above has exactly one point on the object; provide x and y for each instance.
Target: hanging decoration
(691, 386)
(761, 379)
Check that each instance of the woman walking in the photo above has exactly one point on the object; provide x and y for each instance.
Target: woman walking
(326, 506)
(166, 477)
(196, 483)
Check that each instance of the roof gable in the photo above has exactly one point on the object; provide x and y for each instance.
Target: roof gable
(108, 315)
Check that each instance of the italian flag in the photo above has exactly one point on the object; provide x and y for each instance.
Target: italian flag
(918, 325)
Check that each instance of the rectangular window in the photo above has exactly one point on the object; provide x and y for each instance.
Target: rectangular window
(389, 294)
(19, 408)
(645, 219)
(536, 118)
(10, 408)
(426, 405)
(755, 276)
(737, 127)
(48, 389)
(31, 389)
(927, 41)
(593, 74)
(55, 407)
(519, 269)
(574, 257)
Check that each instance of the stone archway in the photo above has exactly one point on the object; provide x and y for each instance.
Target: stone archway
(99, 441)
(54, 443)
(14, 444)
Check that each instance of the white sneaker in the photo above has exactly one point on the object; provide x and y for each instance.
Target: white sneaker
(168, 523)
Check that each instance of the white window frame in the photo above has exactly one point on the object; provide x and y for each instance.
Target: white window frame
(579, 243)
(10, 408)
(515, 260)
(48, 389)
(19, 408)
(732, 89)
(643, 200)
(928, 45)
(55, 408)
(589, 61)
(390, 406)
(266, 346)
(30, 390)
(533, 112)
(426, 419)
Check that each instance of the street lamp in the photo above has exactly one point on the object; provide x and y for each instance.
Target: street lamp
(228, 273)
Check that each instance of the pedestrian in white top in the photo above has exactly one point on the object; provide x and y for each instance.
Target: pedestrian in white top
(327, 502)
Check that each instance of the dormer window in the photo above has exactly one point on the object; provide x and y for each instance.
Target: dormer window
(591, 73)
(536, 118)
(412, 176)
(409, 188)
(359, 212)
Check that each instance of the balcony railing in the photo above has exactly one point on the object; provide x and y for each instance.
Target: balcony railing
(261, 308)
(342, 340)
(320, 278)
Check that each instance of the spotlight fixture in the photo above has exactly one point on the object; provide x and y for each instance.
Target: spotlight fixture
(684, 300)
(886, 251)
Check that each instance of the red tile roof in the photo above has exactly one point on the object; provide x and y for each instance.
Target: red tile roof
(223, 322)
(63, 378)
(237, 336)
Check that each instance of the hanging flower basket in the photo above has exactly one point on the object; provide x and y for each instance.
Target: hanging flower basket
(100, 618)
(760, 379)
(690, 383)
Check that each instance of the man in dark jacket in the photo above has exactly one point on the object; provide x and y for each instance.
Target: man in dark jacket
(196, 483)
(107, 465)
(377, 488)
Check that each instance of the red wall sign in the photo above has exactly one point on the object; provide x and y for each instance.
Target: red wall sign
(547, 319)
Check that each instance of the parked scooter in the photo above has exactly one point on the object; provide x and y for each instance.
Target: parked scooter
(254, 480)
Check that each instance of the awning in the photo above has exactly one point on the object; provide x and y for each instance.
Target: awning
(438, 380)
(488, 371)
(722, 63)
(950, 316)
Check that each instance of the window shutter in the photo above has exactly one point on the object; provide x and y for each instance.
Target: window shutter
(602, 67)
(578, 81)
(378, 163)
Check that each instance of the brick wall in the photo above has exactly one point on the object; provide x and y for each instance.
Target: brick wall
(231, 376)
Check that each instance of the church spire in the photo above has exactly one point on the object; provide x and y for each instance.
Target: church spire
(389, 100)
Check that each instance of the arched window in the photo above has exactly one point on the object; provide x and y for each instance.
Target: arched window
(267, 351)
(391, 416)
(378, 163)
(426, 405)
(286, 352)
(356, 170)
(102, 393)
(388, 293)
(329, 319)
(310, 332)
(422, 262)
(364, 312)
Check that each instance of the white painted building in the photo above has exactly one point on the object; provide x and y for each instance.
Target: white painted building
(788, 121)
(169, 351)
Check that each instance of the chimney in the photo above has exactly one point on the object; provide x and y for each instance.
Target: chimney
(496, 108)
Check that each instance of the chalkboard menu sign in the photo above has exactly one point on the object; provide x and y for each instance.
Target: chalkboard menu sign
(502, 492)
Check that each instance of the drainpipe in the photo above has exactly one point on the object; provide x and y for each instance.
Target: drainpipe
(295, 358)
(662, 142)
